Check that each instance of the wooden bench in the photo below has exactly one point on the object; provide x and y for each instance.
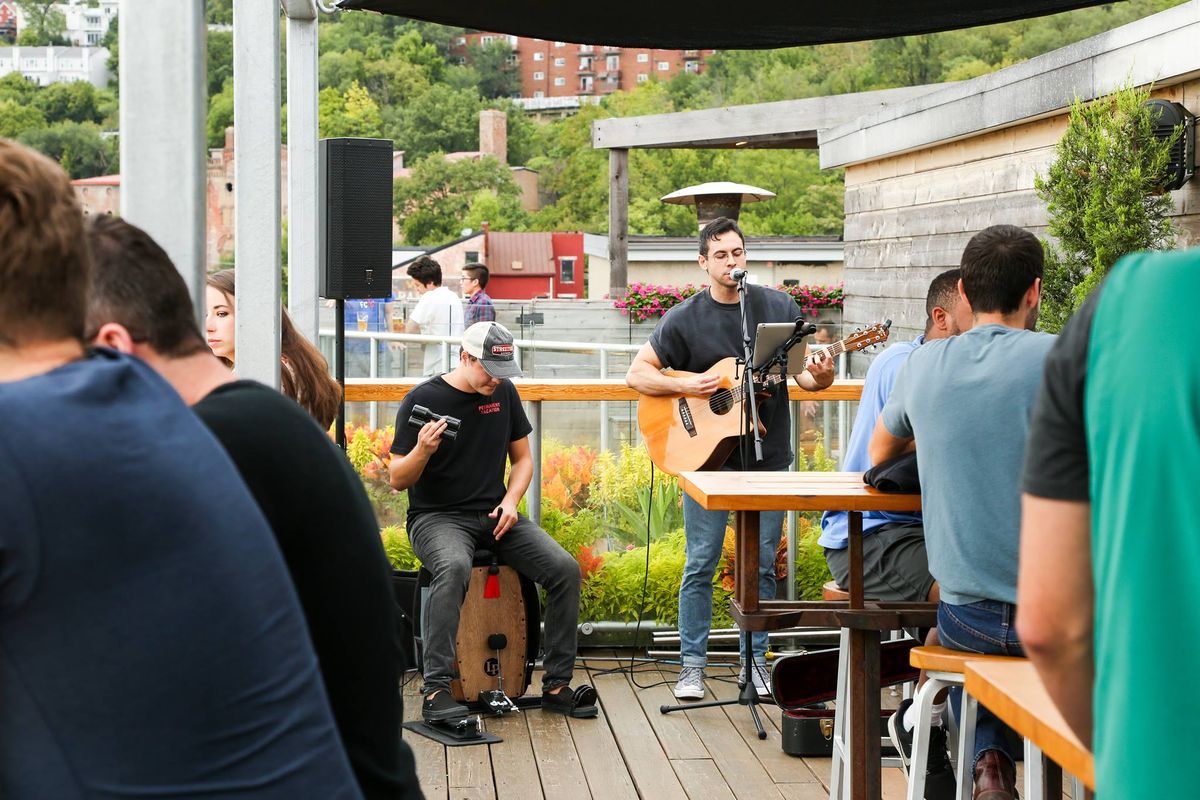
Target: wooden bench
(1015, 693)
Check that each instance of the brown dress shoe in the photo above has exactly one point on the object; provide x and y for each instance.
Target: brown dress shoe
(995, 777)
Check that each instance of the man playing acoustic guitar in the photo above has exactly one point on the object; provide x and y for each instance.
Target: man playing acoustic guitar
(693, 336)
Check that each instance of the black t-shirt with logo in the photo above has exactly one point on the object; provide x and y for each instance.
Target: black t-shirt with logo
(699, 332)
(465, 473)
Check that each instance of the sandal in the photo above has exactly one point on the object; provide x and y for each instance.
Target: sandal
(579, 702)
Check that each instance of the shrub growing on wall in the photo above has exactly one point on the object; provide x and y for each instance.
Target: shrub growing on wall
(1103, 196)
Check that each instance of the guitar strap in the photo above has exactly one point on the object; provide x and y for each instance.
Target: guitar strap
(754, 297)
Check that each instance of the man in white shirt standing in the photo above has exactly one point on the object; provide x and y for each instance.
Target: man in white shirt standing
(439, 312)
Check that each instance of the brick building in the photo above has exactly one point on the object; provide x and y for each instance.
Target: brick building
(560, 69)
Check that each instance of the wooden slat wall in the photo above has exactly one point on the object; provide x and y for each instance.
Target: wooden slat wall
(909, 216)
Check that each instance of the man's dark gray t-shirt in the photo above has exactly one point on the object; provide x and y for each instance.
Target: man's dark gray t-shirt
(699, 332)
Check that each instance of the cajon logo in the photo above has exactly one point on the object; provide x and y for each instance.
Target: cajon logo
(491, 667)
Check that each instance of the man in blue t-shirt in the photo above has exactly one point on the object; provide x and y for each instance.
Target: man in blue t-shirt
(895, 566)
(965, 402)
(151, 643)
(367, 316)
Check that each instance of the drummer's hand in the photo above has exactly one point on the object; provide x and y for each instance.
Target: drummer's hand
(505, 515)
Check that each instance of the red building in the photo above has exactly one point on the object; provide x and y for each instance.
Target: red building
(8, 21)
(522, 266)
(560, 69)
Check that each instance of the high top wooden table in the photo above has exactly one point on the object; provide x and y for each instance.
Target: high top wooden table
(1014, 692)
(747, 492)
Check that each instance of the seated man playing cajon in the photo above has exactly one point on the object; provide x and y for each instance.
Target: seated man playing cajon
(458, 501)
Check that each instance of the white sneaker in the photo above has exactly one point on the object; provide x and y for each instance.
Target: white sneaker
(761, 677)
(690, 685)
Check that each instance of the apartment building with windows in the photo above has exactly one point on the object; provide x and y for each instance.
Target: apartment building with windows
(562, 69)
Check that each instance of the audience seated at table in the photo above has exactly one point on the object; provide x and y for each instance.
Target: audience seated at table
(965, 401)
(1110, 546)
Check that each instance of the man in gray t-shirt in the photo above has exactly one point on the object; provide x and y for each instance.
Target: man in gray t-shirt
(966, 402)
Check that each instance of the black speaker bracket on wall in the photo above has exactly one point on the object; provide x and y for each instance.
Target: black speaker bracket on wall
(1169, 116)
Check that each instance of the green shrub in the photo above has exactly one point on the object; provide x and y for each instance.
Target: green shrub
(1103, 198)
(399, 549)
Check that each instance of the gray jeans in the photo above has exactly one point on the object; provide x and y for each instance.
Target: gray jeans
(446, 542)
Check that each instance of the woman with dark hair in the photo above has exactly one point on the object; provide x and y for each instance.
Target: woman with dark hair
(304, 371)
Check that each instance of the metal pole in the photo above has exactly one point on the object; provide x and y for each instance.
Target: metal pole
(256, 188)
(303, 239)
(533, 503)
(373, 345)
(604, 443)
(163, 89)
(793, 520)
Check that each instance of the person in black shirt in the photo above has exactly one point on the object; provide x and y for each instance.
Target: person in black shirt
(306, 488)
(693, 336)
(458, 501)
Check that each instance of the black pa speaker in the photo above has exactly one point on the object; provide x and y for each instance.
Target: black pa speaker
(1169, 116)
(355, 217)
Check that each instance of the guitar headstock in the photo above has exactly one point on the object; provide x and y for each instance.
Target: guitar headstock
(871, 334)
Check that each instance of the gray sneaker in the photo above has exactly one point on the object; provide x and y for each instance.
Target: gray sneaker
(690, 685)
(761, 676)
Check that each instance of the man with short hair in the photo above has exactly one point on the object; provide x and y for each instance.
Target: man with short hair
(479, 305)
(138, 304)
(151, 643)
(895, 563)
(458, 501)
(1110, 547)
(439, 312)
(965, 401)
(693, 336)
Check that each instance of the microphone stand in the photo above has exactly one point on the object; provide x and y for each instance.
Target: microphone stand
(747, 695)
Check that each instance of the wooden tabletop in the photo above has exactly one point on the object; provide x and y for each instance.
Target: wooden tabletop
(1013, 691)
(788, 491)
(359, 390)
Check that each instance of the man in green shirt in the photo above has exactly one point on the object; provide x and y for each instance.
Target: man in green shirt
(1109, 589)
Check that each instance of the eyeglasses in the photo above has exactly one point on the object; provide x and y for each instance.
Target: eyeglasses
(721, 255)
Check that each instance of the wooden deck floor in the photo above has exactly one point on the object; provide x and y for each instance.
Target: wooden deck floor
(629, 751)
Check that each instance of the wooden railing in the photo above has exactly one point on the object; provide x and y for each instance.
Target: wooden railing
(367, 391)
(538, 391)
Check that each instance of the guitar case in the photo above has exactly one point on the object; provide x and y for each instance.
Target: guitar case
(803, 684)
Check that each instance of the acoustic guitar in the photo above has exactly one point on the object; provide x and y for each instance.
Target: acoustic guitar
(685, 433)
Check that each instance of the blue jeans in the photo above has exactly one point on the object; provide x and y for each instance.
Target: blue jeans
(705, 534)
(988, 626)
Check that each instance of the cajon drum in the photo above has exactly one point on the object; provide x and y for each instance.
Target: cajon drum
(515, 614)
(479, 668)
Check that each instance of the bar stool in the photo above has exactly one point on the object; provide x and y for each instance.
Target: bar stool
(944, 668)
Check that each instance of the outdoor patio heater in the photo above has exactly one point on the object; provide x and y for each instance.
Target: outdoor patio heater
(717, 199)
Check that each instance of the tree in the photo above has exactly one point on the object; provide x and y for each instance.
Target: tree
(220, 60)
(77, 101)
(433, 203)
(442, 119)
(44, 24)
(1103, 196)
(351, 114)
(497, 76)
(220, 115)
(16, 118)
(78, 146)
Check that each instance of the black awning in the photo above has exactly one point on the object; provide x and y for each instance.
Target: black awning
(711, 24)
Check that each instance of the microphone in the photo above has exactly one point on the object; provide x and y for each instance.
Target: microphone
(738, 275)
(805, 328)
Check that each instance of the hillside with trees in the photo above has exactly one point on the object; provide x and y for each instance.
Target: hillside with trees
(393, 78)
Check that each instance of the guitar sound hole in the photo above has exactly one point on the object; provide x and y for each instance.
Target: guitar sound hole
(721, 401)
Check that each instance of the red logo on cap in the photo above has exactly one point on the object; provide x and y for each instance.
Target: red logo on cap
(502, 350)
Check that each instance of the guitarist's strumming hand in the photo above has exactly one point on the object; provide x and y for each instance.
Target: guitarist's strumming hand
(701, 385)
